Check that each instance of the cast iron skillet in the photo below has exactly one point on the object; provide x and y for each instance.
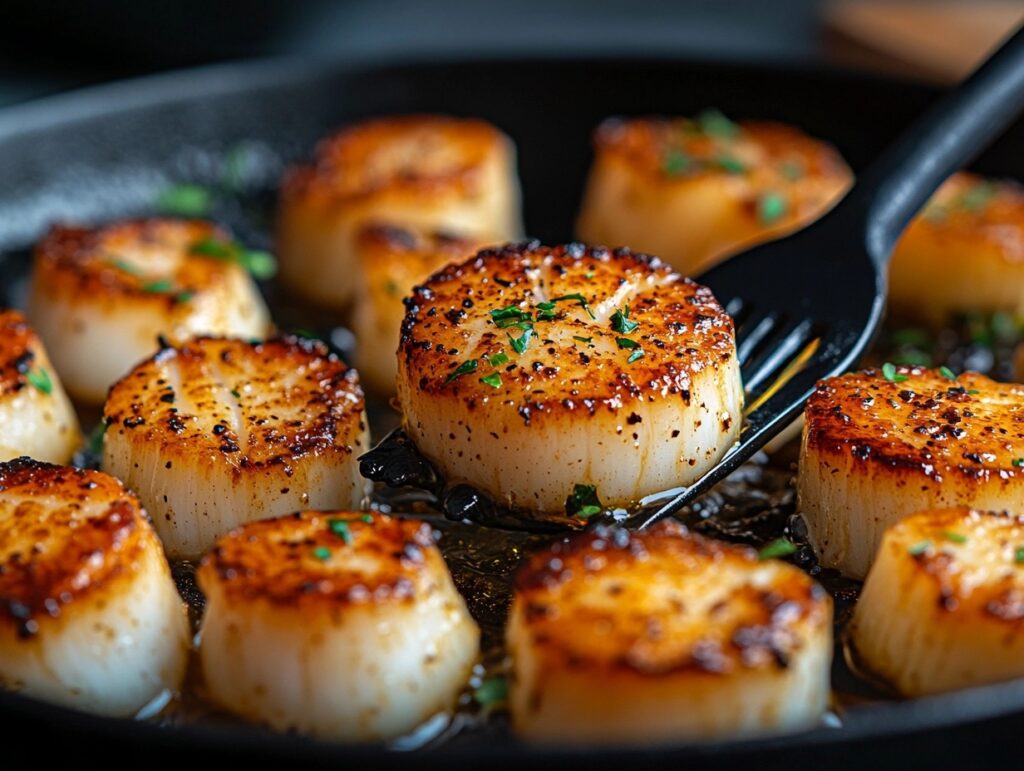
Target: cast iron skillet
(105, 152)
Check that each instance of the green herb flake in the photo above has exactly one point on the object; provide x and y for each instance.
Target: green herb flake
(262, 265)
(391, 287)
(184, 297)
(493, 380)
(625, 342)
(321, 553)
(519, 343)
(1018, 555)
(466, 368)
(583, 502)
(40, 380)
(731, 164)
(367, 518)
(621, 322)
(635, 356)
(889, 373)
(947, 373)
(771, 207)
(124, 266)
(235, 393)
(341, 529)
(954, 537)
(715, 124)
(582, 339)
(546, 311)
(978, 196)
(185, 200)
(1018, 462)
(578, 298)
(162, 286)
(491, 692)
(213, 247)
(94, 444)
(919, 548)
(510, 313)
(792, 170)
(676, 163)
(589, 275)
(780, 547)
(498, 359)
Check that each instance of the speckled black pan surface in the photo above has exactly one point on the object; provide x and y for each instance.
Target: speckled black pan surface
(107, 152)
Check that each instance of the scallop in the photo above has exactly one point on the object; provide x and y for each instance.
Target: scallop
(533, 373)
(36, 417)
(340, 625)
(219, 432)
(695, 191)
(433, 172)
(964, 253)
(100, 297)
(943, 603)
(880, 444)
(661, 635)
(89, 615)
(392, 261)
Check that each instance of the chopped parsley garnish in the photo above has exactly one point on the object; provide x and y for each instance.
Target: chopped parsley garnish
(919, 548)
(582, 339)
(771, 207)
(625, 342)
(637, 354)
(578, 298)
(505, 317)
(124, 267)
(498, 359)
(492, 691)
(780, 547)
(1018, 462)
(185, 200)
(235, 393)
(1018, 555)
(954, 537)
(367, 518)
(321, 553)
(40, 380)
(493, 380)
(391, 287)
(519, 343)
(589, 275)
(889, 373)
(731, 164)
(162, 286)
(583, 502)
(184, 296)
(341, 529)
(261, 265)
(676, 163)
(546, 311)
(621, 322)
(466, 368)
(715, 124)
(947, 373)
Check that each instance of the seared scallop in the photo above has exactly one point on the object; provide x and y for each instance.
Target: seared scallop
(100, 297)
(36, 417)
(664, 636)
(219, 432)
(530, 372)
(880, 444)
(694, 191)
(437, 173)
(965, 252)
(89, 615)
(339, 625)
(392, 261)
(942, 606)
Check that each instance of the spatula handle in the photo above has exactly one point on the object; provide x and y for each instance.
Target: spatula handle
(945, 138)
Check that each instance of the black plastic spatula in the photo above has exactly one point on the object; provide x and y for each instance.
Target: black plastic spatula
(808, 305)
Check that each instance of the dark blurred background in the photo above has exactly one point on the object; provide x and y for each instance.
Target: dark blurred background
(48, 46)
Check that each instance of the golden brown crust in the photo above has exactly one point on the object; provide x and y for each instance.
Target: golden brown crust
(109, 264)
(682, 329)
(773, 156)
(52, 556)
(247, 404)
(422, 155)
(19, 348)
(307, 559)
(646, 627)
(969, 213)
(921, 421)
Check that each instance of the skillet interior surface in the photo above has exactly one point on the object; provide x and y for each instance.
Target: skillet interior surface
(108, 152)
